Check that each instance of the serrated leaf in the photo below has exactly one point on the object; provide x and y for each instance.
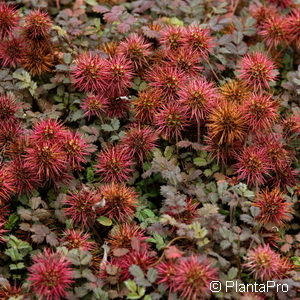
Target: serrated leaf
(85, 257)
(115, 123)
(249, 194)
(17, 266)
(3, 74)
(232, 273)
(81, 291)
(200, 162)
(90, 174)
(208, 172)
(237, 37)
(52, 240)
(149, 213)
(100, 294)
(67, 58)
(224, 232)
(12, 221)
(136, 271)
(35, 202)
(142, 86)
(87, 273)
(107, 127)
(168, 152)
(247, 219)
(152, 275)
(13, 254)
(77, 115)
(142, 282)
(225, 244)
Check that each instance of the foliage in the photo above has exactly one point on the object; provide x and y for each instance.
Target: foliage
(148, 147)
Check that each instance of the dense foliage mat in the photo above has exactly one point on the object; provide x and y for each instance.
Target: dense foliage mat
(149, 149)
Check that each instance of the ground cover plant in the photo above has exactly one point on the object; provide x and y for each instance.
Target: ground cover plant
(149, 148)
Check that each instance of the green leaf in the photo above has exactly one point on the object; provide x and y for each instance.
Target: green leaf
(249, 194)
(17, 266)
(133, 296)
(224, 232)
(131, 285)
(67, 58)
(203, 154)
(107, 128)
(79, 257)
(142, 86)
(91, 2)
(104, 221)
(60, 31)
(114, 138)
(12, 221)
(149, 213)
(138, 294)
(141, 291)
(22, 75)
(100, 294)
(175, 21)
(232, 273)
(158, 240)
(152, 275)
(200, 162)
(169, 152)
(215, 168)
(17, 249)
(90, 176)
(225, 244)
(115, 123)
(208, 172)
(32, 88)
(296, 260)
(222, 187)
(14, 254)
(136, 271)
(137, 80)
(77, 115)
(22, 85)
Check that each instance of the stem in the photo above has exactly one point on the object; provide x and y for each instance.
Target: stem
(256, 188)
(211, 68)
(256, 230)
(232, 213)
(167, 246)
(239, 258)
(235, 4)
(198, 131)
